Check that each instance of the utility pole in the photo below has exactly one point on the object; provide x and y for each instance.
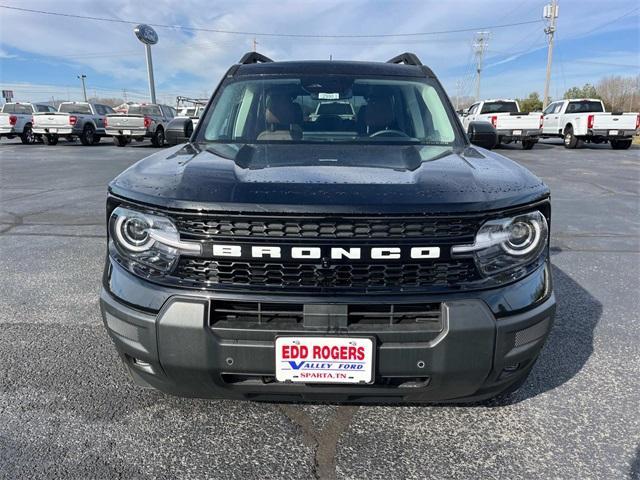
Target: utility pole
(124, 94)
(458, 93)
(550, 13)
(84, 88)
(480, 45)
(255, 44)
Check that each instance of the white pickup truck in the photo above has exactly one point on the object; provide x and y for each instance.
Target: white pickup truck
(582, 120)
(16, 120)
(511, 124)
(193, 113)
(141, 120)
(73, 119)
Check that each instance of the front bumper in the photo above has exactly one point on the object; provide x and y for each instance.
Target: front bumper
(178, 350)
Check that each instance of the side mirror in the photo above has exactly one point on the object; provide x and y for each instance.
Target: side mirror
(483, 135)
(179, 130)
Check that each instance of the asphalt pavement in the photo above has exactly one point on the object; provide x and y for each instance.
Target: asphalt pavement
(67, 409)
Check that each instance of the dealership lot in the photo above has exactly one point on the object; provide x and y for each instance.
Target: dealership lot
(68, 410)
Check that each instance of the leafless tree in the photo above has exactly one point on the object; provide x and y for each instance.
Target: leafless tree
(112, 102)
(620, 93)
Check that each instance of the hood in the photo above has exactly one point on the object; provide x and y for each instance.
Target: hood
(329, 178)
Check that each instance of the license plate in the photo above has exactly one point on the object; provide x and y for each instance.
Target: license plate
(613, 132)
(53, 130)
(324, 360)
(126, 132)
(517, 133)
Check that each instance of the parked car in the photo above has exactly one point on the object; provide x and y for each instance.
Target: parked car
(191, 107)
(505, 116)
(145, 120)
(192, 112)
(16, 120)
(269, 260)
(73, 119)
(585, 120)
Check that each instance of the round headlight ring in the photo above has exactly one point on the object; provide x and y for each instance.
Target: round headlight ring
(132, 233)
(528, 237)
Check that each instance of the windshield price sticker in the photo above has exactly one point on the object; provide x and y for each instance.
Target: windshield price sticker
(328, 96)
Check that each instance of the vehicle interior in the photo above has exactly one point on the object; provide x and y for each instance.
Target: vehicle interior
(329, 109)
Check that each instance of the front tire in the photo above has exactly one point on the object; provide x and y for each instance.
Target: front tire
(96, 140)
(88, 134)
(621, 144)
(27, 137)
(50, 139)
(570, 140)
(158, 138)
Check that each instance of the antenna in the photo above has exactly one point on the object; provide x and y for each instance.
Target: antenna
(480, 44)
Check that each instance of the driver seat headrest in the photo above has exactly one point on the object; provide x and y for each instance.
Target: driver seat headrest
(379, 114)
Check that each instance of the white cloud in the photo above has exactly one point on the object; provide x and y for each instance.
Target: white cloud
(5, 54)
(193, 61)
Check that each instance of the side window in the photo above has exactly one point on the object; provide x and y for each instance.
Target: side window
(558, 107)
(166, 111)
(551, 108)
(572, 108)
(473, 108)
(100, 110)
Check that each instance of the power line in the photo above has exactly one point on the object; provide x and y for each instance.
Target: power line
(608, 22)
(267, 34)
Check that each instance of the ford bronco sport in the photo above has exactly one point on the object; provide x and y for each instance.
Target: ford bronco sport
(379, 257)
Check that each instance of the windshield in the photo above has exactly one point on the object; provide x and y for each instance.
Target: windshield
(75, 108)
(144, 110)
(499, 107)
(584, 106)
(329, 109)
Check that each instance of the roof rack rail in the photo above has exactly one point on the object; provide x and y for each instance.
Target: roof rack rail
(407, 58)
(254, 57)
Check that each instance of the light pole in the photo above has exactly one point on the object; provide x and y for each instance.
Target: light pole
(84, 88)
(148, 36)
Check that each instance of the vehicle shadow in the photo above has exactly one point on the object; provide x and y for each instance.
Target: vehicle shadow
(570, 343)
(634, 473)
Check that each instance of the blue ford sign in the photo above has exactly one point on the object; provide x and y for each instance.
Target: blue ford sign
(146, 34)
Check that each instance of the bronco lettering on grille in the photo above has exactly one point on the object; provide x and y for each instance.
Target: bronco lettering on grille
(335, 253)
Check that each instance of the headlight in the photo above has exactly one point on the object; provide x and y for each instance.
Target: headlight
(507, 244)
(148, 240)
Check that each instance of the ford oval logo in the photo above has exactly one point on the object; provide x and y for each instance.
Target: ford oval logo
(146, 34)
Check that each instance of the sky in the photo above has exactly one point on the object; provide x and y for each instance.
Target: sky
(42, 55)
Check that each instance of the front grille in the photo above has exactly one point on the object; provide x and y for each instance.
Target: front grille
(326, 231)
(239, 226)
(427, 316)
(207, 272)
